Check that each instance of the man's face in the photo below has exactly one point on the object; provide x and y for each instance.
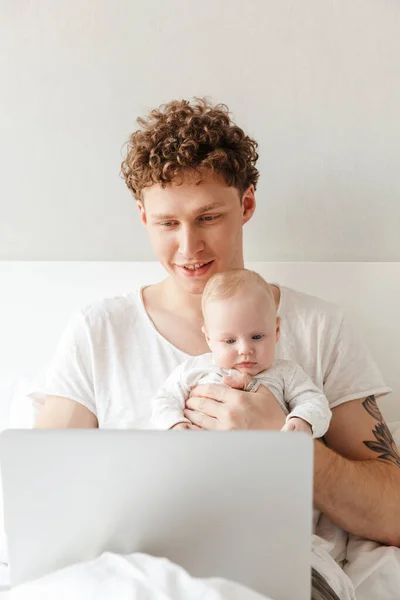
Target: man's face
(196, 230)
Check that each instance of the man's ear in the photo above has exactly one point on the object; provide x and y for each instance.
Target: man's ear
(278, 329)
(248, 204)
(142, 211)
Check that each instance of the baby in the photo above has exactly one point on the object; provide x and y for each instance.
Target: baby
(241, 327)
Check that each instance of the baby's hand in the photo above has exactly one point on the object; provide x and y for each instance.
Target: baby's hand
(181, 426)
(297, 424)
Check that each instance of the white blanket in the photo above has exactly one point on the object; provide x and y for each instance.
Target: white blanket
(130, 577)
(374, 570)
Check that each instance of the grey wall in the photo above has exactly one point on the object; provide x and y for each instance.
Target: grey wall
(317, 82)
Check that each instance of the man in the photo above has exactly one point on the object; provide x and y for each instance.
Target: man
(192, 172)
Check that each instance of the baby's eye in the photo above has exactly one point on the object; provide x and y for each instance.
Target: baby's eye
(229, 341)
(258, 336)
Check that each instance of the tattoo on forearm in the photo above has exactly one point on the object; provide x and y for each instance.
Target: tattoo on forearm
(372, 408)
(384, 445)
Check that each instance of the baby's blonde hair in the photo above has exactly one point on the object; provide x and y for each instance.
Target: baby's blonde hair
(225, 285)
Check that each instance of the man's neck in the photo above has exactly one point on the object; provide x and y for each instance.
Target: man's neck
(179, 301)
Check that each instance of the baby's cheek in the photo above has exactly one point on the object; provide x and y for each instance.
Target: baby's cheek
(266, 356)
(269, 350)
(223, 357)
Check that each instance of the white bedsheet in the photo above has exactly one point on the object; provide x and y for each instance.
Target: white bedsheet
(374, 571)
(130, 577)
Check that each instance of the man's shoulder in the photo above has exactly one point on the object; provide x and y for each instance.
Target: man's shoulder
(111, 309)
(295, 303)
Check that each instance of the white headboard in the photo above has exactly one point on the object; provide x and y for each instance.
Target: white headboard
(37, 298)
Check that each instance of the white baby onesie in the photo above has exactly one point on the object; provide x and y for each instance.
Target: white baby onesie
(292, 387)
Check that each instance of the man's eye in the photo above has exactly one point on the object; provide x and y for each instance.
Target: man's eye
(229, 341)
(258, 336)
(208, 218)
(167, 223)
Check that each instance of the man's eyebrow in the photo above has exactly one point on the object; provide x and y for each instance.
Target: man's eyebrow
(199, 211)
(207, 207)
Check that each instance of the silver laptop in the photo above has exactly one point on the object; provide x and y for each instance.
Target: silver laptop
(228, 504)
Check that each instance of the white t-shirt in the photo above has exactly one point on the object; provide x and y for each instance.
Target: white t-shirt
(291, 386)
(112, 360)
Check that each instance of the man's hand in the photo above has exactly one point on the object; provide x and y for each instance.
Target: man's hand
(214, 406)
(183, 425)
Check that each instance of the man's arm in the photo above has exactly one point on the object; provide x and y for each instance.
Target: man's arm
(62, 413)
(357, 477)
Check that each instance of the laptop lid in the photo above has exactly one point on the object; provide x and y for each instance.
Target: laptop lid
(228, 504)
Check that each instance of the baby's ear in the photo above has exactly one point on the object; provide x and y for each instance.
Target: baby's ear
(278, 328)
(204, 330)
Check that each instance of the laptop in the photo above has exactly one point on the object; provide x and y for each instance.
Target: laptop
(235, 504)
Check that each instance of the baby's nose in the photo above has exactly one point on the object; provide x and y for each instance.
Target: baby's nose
(246, 348)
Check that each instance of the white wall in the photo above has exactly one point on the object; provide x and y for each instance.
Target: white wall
(317, 82)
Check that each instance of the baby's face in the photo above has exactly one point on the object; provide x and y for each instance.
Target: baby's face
(242, 332)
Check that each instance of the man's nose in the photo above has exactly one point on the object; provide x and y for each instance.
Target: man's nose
(190, 243)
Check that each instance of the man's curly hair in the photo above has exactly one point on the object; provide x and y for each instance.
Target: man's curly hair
(182, 139)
